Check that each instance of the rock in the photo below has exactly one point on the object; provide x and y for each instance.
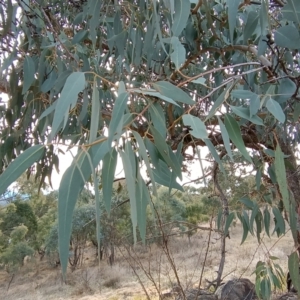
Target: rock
(237, 289)
(288, 296)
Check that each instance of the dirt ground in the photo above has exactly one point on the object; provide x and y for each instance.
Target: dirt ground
(37, 280)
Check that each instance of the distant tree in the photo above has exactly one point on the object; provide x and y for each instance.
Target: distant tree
(17, 249)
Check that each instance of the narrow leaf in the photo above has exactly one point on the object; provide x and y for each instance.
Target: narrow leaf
(225, 137)
(232, 15)
(16, 168)
(229, 220)
(29, 71)
(235, 136)
(293, 263)
(144, 156)
(182, 11)
(197, 126)
(108, 173)
(117, 116)
(179, 54)
(68, 97)
(130, 181)
(171, 91)
(215, 154)
(95, 113)
(281, 176)
(275, 109)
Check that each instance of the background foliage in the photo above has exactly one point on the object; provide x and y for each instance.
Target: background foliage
(151, 82)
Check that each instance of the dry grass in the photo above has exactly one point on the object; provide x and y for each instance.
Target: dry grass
(39, 281)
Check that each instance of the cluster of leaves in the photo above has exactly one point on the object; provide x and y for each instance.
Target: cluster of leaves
(146, 81)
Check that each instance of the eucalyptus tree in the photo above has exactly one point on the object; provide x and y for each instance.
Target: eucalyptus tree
(146, 81)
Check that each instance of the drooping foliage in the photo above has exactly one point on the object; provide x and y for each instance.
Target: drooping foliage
(146, 81)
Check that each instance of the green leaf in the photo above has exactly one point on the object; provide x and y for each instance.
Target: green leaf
(79, 36)
(94, 10)
(223, 97)
(293, 263)
(253, 215)
(235, 136)
(291, 12)
(157, 26)
(293, 220)
(108, 176)
(281, 176)
(71, 184)
(275, 109)
(251, 25)
(154, 93)
(166, 152)
(164, 176)
(244, 112)
(115, 126)
(267, 219)
(215, 154)
(171, 91)
(248, 202)
(95, 113)
(228, 222)
(29, 71)
(280, 224)
(225, 137)
(179, 54)
(143, 154)
(200, 80)
(232, 15)
(158, 118)
(130, 182)
(245, 229)
(197, 126)
(68, 97)
(16, 168)
(258, 221)
(142, 201)
(287, 37)
(182, 12)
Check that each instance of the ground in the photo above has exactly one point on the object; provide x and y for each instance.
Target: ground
(38, 280)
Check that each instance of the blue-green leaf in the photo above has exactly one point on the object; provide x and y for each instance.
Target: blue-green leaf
(228, 222)
(71, 184)
(225, 137)
(235, 135)
(68, 97)
(115, 126)
(197, 126)
(275, 109)
(281, 176)
(29, 71)
(215, 154)
(267, 219)
(166, 152)
(244, 112)
(158, 118)
(291, 12)
(130, 181)
(164, 176)
(232, 15)
(144, 156)
(287, 37)
(95, 113)
(108, 175)
(179, 54)
(293, 263)
(182, 12)
(16, 168)
(171, 91)
(279, 221)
